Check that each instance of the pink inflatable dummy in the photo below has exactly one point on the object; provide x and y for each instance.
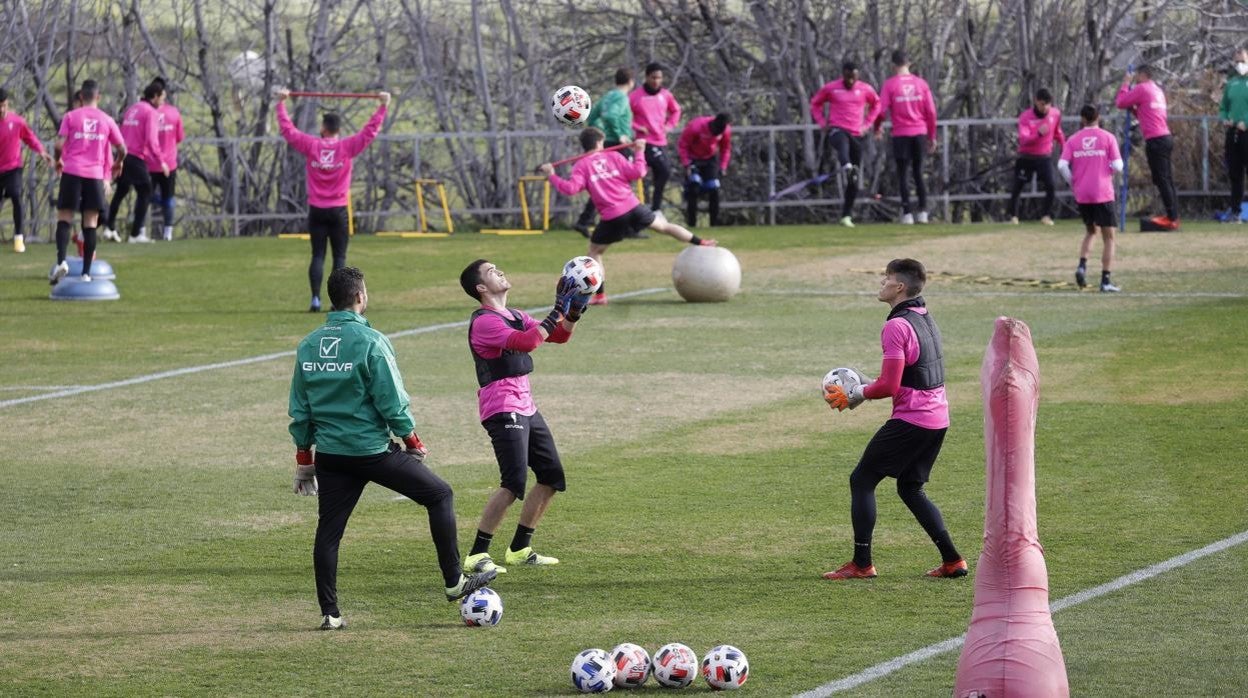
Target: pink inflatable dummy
(1011, 648)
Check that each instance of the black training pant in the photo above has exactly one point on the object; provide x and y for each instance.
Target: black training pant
(848, 152)
(341, 480)
(1041, 166)
(1236, 162)
(1158, 151)
(708, 172)
(660, 171)
(903, 451)
(908, 152)
(134, 175)
(326, 225)
(11, 189)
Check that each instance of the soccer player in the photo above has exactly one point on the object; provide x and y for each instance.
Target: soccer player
(140, 128)
(1148, 102)
(1038, 127)
(169, 125)
(705, 148)
(906, 447)
(655, 112)
(13, 133)
(614, 117)
(1089, 160)
(501, 340)
(329, 182)
(608, 177)
(1234, 114)
(346, 399)
(908, 101)
(851, 105)
(82, 150)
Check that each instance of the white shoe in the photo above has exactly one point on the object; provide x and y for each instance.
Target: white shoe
(847, 222)
(19, 244)
(1045, 220)
(141, 237)
(1109, 288)
(1013, 220)
(86, 278)
(58, 272)
(921, 218)
(167, 234)
(332, 623)
(109, 235)
(907, 219)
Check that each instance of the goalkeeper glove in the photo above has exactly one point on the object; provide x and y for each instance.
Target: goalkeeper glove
(565, 292)
(579, 303)
(836, 396)
(305, 473)
(415, 447)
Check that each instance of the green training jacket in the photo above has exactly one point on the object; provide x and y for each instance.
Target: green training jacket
(612, 116)
(347, 396)
(1235, 99)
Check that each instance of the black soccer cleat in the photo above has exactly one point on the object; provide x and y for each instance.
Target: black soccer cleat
(469, 583)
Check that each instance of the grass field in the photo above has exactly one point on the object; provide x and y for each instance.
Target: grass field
(149, 543)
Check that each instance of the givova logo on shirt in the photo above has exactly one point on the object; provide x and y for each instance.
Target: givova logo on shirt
(327, 160)
(1089, 148)
(328, 351)
(601, 170)
(90, 131)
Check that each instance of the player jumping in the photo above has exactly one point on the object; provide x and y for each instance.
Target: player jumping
(844, 119)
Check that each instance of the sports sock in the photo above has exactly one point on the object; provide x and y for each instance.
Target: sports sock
(862, 554)
(1104, 276)
(523, 537)
(482, 543)
(62, 240)
(1083, 262)
(88, 249)
(944, 543)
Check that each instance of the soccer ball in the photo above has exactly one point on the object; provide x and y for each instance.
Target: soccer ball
(570, 105)
(483, 607)
(593, 671)
(586, 272)
(725, 668)
(844, 377)
(675, 665)
(247, 71)
(632, 665)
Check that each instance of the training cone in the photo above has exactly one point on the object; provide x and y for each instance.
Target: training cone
(1011, 647)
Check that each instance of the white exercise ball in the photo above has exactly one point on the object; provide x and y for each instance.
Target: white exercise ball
(706, 274)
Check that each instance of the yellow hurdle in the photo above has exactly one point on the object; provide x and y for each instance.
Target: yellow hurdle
(525, 218)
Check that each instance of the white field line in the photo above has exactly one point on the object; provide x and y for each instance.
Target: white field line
(1017, 294)
(36, 388)
(70, 391)
(897, 663)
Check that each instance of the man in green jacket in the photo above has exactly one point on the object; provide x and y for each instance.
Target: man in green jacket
(346, 399)
(614, 117)
(1234, 115)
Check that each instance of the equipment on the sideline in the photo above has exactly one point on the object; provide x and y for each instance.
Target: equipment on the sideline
(675, 665)
(725, 668)
(794, 188)
(706, 274)
(482, 608)
(422, 213)
(570, 105)
(528, 228)
(632, 665)
(586, 272)
(593, 671)
(247, 71)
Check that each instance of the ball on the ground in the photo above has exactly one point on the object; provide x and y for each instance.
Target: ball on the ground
(593, 671)
(587, 273)
(481, 608)
(706, 274)
(570, 105)
(725, 667)
(632, 665)
(675, 665)
(844, 377)
(247, 70)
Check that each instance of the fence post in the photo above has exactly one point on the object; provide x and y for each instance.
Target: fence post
(944, 170)
(236, 186)
(1204, 154)
(771, 176)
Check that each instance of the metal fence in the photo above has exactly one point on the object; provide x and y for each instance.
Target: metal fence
(254, 185)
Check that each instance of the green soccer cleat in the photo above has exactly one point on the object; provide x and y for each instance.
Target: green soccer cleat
(528, 557)
(482, 562)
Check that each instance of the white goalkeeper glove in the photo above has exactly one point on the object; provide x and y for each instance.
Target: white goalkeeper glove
(305, 473)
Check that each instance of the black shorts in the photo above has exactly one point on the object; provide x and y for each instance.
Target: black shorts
(521, 444)
(1101, 215)
(11, 184)
(620, 227)
(80, 194)
(902, 450)
(163, 186)
(907, 148)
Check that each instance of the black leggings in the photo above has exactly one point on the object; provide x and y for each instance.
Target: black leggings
(11, 189)
(661, 171)
(908, 152)
(326, 225)
(134, 175)
(848, 152)
(1236, 161)
(1158, 151)
(341, 480)
(1042, 168)
(862, 483)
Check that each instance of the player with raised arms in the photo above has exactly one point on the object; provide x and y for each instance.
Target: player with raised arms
(1089, 160)
(906, 447)
(1038, 127)
(140, 127)
(1141, 95)
(13, 133)
(844, 108)
(607, 176)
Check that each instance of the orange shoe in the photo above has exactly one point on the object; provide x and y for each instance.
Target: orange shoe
(851, 570)
(598, 299)
(949, 569)
(1174, 224)
(1161, 222)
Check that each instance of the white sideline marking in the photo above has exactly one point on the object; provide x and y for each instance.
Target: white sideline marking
(1020, 294)
(71, 391)
(36, 388)
(897, 663)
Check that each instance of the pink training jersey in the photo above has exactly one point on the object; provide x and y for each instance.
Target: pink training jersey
(13, 133)
(696, 142)
(140, 130)
(329, 159)
(845, 106)
(923, 408)
(489, 333)
(1090, 152)
(1149, 104)
(169, 127)
(908, 101)
(89, 134)
(653, 115)
(607, 176)
(1031, 141)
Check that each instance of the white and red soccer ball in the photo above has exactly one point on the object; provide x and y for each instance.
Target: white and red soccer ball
(570, 105)
(675, 665)
(586, 272)
(632, 665)
(725, 668)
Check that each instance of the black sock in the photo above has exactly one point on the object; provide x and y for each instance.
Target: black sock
(862, 554)
(944, 543)
(523, 537)
(62, 240)
(1104, 276)
(1083, 262)
(88, 249)
(482, 543)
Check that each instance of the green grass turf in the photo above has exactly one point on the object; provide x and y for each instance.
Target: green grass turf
(149, 544)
